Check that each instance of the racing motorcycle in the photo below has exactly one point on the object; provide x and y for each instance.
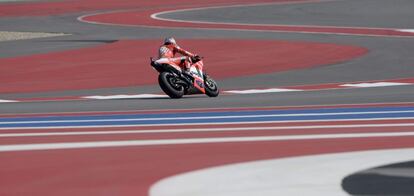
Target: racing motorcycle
(175, 82)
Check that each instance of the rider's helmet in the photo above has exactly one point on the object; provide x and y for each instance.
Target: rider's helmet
(169, 40)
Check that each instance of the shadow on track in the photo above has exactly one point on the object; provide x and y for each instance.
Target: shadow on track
(161, 98)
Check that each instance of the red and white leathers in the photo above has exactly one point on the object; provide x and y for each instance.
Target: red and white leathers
(166, 54)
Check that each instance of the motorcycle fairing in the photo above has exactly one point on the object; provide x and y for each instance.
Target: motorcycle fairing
(197, 73)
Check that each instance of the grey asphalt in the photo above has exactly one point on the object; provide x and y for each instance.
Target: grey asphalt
(325, 97)
(357, 13)
(389, 57)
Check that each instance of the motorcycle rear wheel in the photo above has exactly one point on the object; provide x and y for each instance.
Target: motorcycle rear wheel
(167, 82)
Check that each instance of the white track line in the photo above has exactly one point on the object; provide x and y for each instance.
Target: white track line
(81, 18)
(7, 101)
(375, 84)
(139, 96)
(407, 30)
(155, 16)
(207, 123)
(208, 117)
(3, 135)
(104, 144)
(255, 91)
(313, 175)
(243, 91)
(209, 109)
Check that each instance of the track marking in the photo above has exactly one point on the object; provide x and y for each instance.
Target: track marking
(306, 29)
(305, 88)
(313, 175)
(7, 101)
(213, 118)
(139, 96)
(407, 30)
(156, 16)
(219, 116)
(375, 84)
(15, 35)
(104, 144)
(207, 123)
(212, 109)
(185, 130)
(254, 91)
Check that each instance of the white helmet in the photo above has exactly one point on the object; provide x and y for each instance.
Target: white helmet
(169, 40)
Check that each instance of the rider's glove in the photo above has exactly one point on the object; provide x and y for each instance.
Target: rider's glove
(195, 58)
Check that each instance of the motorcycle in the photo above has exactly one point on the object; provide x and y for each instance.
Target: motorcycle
(176, 83)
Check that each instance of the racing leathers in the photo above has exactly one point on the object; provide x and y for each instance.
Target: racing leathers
(166, 55)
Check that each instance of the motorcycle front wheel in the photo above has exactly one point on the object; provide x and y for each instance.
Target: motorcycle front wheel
(210, 86)
(168, 84)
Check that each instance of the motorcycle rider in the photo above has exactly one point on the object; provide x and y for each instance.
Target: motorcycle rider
(167, 52)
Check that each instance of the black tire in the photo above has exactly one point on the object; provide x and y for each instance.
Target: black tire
(211, 87)
(166, 81)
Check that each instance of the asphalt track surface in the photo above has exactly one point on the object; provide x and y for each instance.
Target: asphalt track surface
(54, 141)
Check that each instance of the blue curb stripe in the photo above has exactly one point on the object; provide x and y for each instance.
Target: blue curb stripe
(398, 112)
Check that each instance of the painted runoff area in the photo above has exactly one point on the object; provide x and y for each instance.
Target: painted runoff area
(380, 118)
(101, 150)
(316, 175)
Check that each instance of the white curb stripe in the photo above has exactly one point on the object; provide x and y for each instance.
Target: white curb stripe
(121, 119)
(207, 123)
(104, 144)
(42, 134)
